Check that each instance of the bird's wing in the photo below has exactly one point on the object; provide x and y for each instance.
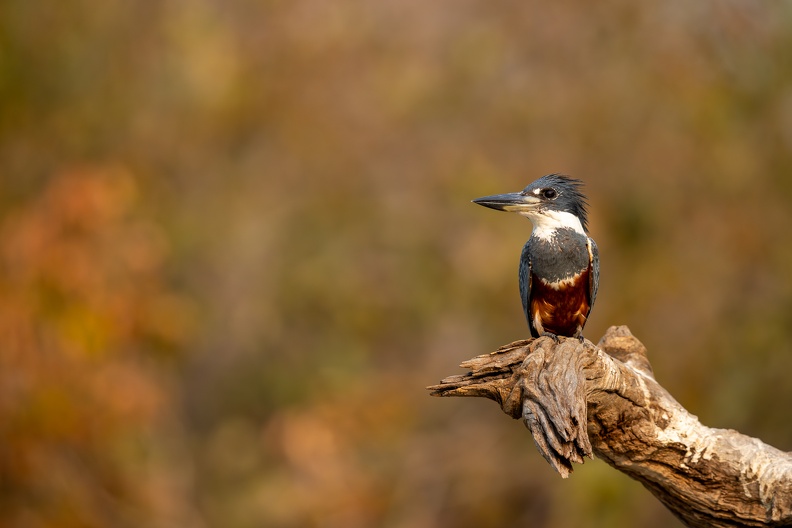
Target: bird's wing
(525, 285)
(595, 270)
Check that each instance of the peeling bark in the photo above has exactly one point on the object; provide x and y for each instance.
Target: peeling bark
(580, 400)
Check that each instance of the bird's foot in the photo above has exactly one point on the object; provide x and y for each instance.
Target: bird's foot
(581, 339)
(554, 337)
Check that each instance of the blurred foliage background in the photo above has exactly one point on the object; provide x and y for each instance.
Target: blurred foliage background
(237, 243)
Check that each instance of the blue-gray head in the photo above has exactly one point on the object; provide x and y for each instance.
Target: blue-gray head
(550, 202)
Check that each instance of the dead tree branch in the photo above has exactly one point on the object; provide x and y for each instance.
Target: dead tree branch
(580, 400)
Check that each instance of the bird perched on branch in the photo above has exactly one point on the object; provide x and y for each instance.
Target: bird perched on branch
(559, 265)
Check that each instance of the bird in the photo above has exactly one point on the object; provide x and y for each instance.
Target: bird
(559, 264)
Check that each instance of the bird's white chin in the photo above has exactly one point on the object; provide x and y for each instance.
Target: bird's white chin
(546, 222)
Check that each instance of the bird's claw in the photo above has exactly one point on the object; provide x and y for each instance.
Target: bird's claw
(552, 336)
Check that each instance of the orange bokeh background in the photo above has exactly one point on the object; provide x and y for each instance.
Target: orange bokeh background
(236, 243)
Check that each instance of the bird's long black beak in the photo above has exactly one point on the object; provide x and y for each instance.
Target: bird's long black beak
(512, 202)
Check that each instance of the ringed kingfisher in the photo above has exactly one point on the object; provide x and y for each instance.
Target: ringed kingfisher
(559, 265)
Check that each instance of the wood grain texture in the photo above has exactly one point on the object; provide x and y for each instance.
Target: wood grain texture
(580, 400)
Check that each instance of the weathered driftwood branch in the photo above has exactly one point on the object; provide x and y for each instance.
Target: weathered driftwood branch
(581, 400)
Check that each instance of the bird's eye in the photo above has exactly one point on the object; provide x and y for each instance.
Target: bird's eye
(549, 193)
